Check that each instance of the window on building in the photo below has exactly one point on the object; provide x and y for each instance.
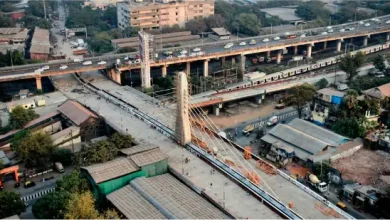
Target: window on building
(177, 13)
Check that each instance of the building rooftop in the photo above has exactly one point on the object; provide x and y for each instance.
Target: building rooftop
(75, 112)
(137, 149)
(148, 157)
(13, 217)
(24, 92)
(330, 92)
(176, 198)
(379, 92)
(221, 31)
(133, 205)
(110, 170)
(65, 131)
(40, 42)
(287, 14)
(7, 34)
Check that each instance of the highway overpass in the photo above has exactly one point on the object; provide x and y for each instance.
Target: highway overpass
(211, 51)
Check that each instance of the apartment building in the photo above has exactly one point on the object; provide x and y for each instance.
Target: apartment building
(154, 15)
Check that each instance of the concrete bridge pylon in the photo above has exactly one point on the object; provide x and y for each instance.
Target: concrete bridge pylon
(183, 128)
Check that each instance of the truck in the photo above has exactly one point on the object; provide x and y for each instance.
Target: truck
(315, 183)
(296, 58)
(248, 129)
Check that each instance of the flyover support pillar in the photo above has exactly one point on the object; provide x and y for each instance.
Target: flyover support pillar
(242, 64)
(338, 46)
(365, 41)
(387, 36)
(39, 83)
(188, 68)
(216, 109)
(258, 99)
(223, 61)
(309, 48)
(206, 68)
(325, 44)
(164, 70)
(295, 50)
(118, 77)
(233, 61)
(269, 53)
(279, 57)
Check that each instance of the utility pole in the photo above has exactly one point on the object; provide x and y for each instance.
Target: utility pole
(44, 8)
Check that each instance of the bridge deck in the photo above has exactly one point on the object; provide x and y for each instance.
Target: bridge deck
(304, 204)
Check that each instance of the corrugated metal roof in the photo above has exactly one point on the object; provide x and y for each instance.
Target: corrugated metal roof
(220, 31)
(318, 132)
(297, 151)
(112, 169)
(177, 198)
(328, 91)
(148, 157)
(298, 138)
(40, 42)
(138, 149)
(75, 112)
(132, 205)
(385, 90)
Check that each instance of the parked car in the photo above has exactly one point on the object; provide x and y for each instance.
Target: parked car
(59, 167)
(87, 63)
(29, 184)
(229, 45)
(45, 67)
(367, 24)
(77, 60)
(361, 22)
(272, 121)
(126, 58)
(242, 43)
(342, 87)
(197, 49)
(265, 40)
(324, 33)
(64, 67)
(342, 30)
(330, 31)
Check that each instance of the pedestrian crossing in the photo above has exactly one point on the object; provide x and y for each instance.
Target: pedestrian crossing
(37, 194)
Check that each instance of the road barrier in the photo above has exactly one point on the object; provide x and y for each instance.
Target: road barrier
(37, 195)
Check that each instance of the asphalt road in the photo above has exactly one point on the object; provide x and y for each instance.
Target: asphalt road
(207, 47)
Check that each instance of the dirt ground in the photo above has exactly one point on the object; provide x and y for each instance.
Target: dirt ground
(297, 169)
(244, 113)
(365, 167)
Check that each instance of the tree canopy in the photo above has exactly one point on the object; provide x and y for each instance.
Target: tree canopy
(72, 183)
(299, 96)
(312, 10)
(20, 117)
(121, 141)
(350, 127)
(247, 23)
(379, 63)
(6, 21)
(351, 64)
(30, 22)
(322, 83)
(52, 205)
(36, 149)
(10, 204)
(11, 58)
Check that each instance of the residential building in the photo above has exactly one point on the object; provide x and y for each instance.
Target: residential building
(40, 44)
(101, 4)
(325, 99)
(157, 14)
(67, 137)
(310, 143)
(12, 39)
(361, 195)
(380, 92)
(15, 15)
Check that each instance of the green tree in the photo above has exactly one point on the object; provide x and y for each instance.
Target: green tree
(110, 16)
(81, 206)
(121, 141)
(36, 149)
(351, 65)
(379, 63)
(164, 82)
(20, 116)
(10, 204)
(312, 10)
(299, 96)
(72, 183)
(214, 21)
(130, 31)
(7, 7)
(100, 152)
(30, 22)
(116, 33)
(101, 43)
(6, 21)
(35, 8)
(52, 205)
(323, 83)
(63, 155)
(350, 127)
(196, 26)
(247, 23)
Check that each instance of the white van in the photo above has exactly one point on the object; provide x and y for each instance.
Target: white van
(59, 167)
(342, 87)
(272, 121)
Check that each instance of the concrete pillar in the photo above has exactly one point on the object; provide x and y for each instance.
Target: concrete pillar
(269, 53)
(206, 68)
(233, 60)
(216, 110)
(223, 61)
(387, 36)
(188, 68)
(309, 47)
(242, 63)
(365, 40)
(39, 83)
(279, 57)
(164, 70)
(338, 48)
(118, 78)
(258, 99)
(295, 50)
(325, 44)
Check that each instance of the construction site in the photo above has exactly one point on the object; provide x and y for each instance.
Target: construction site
(366, 167)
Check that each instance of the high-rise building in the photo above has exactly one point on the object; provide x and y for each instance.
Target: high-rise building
(162, 13)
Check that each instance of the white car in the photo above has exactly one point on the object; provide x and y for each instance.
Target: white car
(87, 63)
(126, 58)
(64, 67)
(77, 60)
(200, 53)
(387, 22)
(361, 22)
(45, 67)
(242, 43)
(330, 31)
(351, 28)
(276, 38)
(375, 19)
(265, 40)
(342, 30)
(193, 54)
(182, 56)
(380, 75)
(102, 62)
(183, 52)
(252, 42)
(303, 35)
(324, 33)
(196, 49)
(38, 70)
(229, 45)
(367, 24)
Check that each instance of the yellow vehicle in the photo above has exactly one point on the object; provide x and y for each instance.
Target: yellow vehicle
(342, 206)
(248, 129)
